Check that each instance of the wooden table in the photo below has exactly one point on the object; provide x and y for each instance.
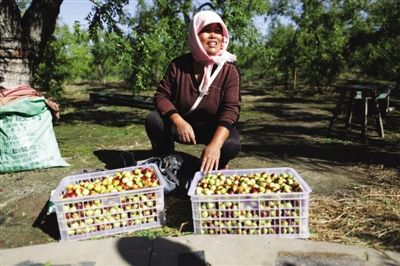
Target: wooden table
(364, 93)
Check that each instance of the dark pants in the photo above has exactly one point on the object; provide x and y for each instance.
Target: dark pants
(163, 136)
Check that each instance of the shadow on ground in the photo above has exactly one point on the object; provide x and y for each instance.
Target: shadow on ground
(158, 252)
(329, 153)
(119, 111)
(299, 127)
(287, 141)
(47, 223)
(106, 117)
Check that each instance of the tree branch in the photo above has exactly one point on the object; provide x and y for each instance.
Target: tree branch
(10, 20)
(39, 22)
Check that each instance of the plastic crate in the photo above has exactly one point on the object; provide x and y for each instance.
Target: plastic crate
(271, 214)
(107, 214)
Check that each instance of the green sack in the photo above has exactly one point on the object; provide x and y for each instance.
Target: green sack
(27, 139)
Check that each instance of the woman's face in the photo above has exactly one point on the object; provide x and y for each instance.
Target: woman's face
(211, 38)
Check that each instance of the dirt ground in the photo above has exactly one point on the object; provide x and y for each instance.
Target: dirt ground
(278, 129)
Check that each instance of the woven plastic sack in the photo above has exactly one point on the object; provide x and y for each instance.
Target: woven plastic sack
(27, 139)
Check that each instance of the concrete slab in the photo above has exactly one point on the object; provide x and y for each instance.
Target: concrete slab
(196, 250)
(261, 250)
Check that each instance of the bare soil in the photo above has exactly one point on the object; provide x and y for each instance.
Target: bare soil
(278, 128)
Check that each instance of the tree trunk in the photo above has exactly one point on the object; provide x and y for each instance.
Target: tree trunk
(23, 39)
(294, 78)
(101, 72)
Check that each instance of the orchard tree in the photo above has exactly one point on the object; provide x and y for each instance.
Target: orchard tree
(105, 48)
(335, 36)
(55, 65)
(280, 46)
(315, 50)
(374, 41)
(66, 58)
(321, 41)
(80, 58)
(158, 35)
(23, 38)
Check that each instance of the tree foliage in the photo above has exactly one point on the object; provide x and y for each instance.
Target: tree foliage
(159, 31)
(315, 49)
(55, 66)
(311, 41)
(332, 37)
(158, 35)
(374, 40)
(238, 16)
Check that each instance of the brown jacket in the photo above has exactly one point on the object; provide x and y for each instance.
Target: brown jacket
(178, 90)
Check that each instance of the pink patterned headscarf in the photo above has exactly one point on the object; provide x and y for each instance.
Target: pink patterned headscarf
(199, 21)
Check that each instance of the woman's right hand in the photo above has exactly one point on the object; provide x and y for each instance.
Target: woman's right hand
(183, 129)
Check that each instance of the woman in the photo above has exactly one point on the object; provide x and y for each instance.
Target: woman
(198, 100)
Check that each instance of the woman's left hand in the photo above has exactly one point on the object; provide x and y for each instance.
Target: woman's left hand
(210, 158)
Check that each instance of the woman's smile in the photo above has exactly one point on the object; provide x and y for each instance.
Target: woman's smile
(212, 43)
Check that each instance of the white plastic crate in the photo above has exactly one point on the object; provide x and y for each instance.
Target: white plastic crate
(106, 214)
(271, 214)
